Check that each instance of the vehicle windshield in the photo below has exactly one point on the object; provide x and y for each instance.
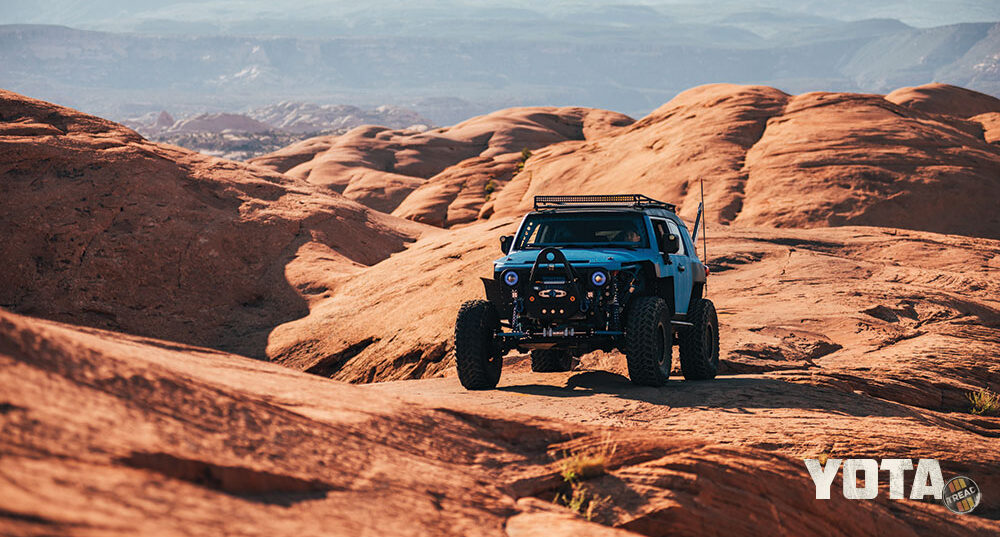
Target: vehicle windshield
(585, 230)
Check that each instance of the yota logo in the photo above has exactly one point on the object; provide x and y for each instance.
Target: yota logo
(960, 495)
(927, 480)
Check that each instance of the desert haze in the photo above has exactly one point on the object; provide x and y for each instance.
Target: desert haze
(449, 61)
(192, 345)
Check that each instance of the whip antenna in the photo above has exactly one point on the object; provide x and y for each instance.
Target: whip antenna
(700, 226)
(704, 233)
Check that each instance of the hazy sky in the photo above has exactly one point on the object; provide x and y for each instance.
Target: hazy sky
(451, 59)
(129, 15)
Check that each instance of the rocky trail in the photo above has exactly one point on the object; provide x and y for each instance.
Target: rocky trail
(106, 434)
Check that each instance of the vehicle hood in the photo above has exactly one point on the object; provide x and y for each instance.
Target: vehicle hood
(609, 258)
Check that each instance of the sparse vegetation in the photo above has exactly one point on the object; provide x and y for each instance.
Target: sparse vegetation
(578, 465)
(582, 500)
(586, 463)
(490, 188)
(525, 155)
(984, 402)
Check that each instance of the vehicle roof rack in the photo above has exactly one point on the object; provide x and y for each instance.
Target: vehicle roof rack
(598, 201)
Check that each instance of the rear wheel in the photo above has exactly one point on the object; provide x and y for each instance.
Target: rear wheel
(699, 343)
(648, 341)
(477, 354)
(551, 360)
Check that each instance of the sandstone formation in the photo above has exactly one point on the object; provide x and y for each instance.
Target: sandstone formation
(766, 158)
(102, 228)
(771, 159)
(945, 99)
(991, 126)
(442, 176)
(864, 305)
(856, 340)
(106, 434)
(860, 340)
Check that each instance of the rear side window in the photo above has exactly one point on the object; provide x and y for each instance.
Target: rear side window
(663, 228)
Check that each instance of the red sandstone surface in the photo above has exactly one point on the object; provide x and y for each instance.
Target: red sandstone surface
(853, 241)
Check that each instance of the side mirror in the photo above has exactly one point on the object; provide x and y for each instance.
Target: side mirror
(671, 244)
(505, 243)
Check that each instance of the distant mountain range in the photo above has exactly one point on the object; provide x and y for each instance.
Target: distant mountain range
(626, 59)
(269, 128)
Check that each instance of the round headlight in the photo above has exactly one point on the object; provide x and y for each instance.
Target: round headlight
(599, 278)
(510, 278)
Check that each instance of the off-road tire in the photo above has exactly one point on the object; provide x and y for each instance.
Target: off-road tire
(648, 341)
(551, 360)
(477, 355)
(699, 344)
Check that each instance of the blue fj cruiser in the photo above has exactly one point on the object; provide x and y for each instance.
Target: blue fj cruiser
(593, 272)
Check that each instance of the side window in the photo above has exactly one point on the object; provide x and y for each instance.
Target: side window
(673, 229)
(663, 228)
(660, 229)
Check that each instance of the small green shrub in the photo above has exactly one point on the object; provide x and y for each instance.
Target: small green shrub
(581, 464)
(490, 188)
(582, 500)
(525, 155)
(984, 402)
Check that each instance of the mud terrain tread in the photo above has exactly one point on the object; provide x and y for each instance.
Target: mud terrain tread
(645, 315)
(698, 362)
(476, 357)
(551, 361)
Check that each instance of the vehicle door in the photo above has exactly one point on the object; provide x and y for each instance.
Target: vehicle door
(680, 261)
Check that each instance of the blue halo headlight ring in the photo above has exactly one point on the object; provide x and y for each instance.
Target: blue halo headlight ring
(599, 278)
(510, 278)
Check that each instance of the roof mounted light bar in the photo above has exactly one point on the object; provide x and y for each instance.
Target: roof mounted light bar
(600, 201)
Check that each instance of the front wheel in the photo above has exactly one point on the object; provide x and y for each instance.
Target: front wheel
(477, 354)
(699, 343)
(648, 341)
